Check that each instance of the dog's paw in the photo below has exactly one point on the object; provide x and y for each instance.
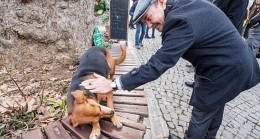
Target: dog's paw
(116, 121)
(95, 134)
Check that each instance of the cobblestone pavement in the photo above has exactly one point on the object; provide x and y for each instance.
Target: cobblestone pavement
(169, 110)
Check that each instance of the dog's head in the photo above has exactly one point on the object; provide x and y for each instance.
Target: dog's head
(86, 110)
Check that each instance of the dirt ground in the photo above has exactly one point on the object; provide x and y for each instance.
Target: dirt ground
(32, 96)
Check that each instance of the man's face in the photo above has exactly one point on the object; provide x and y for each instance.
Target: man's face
(154, 16)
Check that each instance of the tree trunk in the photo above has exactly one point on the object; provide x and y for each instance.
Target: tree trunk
(45, 34)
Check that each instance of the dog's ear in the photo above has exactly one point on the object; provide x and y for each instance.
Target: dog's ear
(79, 96)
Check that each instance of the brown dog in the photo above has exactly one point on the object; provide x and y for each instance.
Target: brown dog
(83, 106)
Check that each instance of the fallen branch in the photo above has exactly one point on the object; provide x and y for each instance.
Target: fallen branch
(16, 84)
(3, 106)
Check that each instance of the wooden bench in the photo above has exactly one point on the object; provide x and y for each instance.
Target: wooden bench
(131, 107)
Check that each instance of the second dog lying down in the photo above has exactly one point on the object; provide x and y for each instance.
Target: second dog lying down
(83, 106)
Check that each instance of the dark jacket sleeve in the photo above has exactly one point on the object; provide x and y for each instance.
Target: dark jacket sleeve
(254, 20)
(177, 39)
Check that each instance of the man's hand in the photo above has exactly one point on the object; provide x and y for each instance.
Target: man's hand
(98, 85)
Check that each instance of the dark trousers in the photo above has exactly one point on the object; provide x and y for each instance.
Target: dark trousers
(131, 22)
(204, 124)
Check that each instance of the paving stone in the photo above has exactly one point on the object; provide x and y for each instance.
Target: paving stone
(236, 137)
(165, 111)
(174, 115)
(167, 117)
(158, 96)
(253, 118)
(242, 132)
(247, 126)
(184, 104)
(257, 127)
(171, 125)
(176, 105)
(187, 113)
(183, 124)
(232, 124)
(179, 128)
(181, 134)
(168, 101)
(170, 94)
(170, 107)
(256, 136)
(250, 137)
(241, 119)
(179, 111)
(184, 118)
(231, 130)
(148, 135)
(227, 134)
(241, 136)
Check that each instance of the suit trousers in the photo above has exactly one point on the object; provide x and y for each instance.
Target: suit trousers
(204, 124)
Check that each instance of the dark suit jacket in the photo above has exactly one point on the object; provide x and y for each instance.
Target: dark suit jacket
(235, 10)
(200, 33)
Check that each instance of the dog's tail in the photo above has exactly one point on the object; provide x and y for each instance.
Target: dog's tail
(121, 59)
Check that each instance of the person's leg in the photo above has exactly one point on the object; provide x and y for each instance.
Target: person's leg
(137, 34)
(131, 23)
(146, 33)
(200, 123)
(153, 30)
(143, 26)
(215, 124)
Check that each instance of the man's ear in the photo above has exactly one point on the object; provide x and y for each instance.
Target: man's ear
(162, 3)
(79, 96)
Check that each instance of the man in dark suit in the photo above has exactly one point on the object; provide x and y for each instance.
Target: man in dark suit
(199, 32)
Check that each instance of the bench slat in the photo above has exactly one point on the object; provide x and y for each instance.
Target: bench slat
(81, 132)
(133, 124)
(112, 132)
(126, 68)
(34, 134)
(133, 109)
(130, 100)
(56, 131)
(132, 93)
(129, 116)
(127, 64)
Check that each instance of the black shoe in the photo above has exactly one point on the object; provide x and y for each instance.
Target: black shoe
(258, 55)
(131, 27)
(147, 37)
(190, 84)
(153, 36)
(171, 136)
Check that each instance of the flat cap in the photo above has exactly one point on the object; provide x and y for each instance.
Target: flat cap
(141, 7)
